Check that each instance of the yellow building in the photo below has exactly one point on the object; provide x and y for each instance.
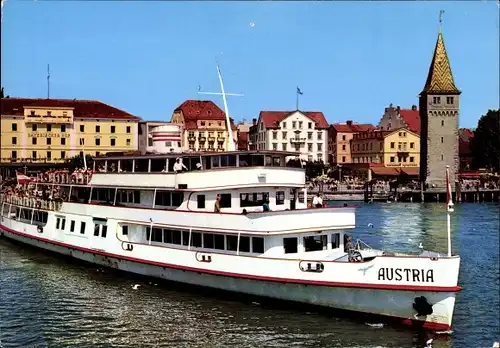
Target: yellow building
(397, 148)
(204, 126)
(53, 130)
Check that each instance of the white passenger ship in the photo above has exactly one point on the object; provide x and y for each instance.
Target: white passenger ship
(137, 215)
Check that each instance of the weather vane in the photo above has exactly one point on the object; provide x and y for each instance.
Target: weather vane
(441, 19)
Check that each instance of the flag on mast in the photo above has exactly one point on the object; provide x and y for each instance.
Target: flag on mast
(299, 91)
(449, 197)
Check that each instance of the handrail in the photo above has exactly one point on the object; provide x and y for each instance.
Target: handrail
(32, 202)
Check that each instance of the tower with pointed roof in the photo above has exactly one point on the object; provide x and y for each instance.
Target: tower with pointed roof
(439, 112)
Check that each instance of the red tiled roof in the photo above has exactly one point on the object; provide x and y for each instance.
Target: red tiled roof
(271, 119)
(350, 127)
(412, 119)
(81, 108)
(194, 110)
(201, 109)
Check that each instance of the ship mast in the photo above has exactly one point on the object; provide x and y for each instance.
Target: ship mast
(231, 145)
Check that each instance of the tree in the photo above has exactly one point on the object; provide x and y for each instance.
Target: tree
(76, 162)
(485, 145)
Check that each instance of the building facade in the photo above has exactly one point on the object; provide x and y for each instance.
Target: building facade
(305, 132)
(396, 148)
(395, 118)
(53, 130)
(203, 126)
(244, 135)
(439, 114)
(339, 140)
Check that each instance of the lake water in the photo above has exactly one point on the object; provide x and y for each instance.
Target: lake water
(49, 301)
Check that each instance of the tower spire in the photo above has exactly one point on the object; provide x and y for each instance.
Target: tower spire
(440, 78)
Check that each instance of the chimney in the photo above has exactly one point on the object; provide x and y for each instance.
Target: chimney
(349, 123)
(398, 108)
(254, 121)
(414, 108)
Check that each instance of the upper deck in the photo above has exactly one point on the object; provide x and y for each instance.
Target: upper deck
(201, 171)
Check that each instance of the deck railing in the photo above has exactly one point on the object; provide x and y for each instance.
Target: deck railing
(32, 202)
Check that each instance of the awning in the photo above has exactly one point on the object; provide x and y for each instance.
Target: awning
(470, 175)
(384, 171)
(410, 171)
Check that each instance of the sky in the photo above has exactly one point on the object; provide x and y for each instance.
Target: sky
(350, 59)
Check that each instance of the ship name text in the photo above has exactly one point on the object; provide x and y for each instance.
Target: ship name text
(406, 274)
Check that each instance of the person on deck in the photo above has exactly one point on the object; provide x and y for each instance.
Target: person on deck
(318, 201)
(265, 206)
(179, 166)
(217, 204)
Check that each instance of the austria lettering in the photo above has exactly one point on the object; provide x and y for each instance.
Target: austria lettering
(406, 274)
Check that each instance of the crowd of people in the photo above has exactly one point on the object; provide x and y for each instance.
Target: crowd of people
(63, 176)
(33, 195)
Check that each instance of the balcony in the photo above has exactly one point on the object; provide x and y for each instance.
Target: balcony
(298, 140)
(221, 139)
(211, 139)
(190, 138)
(202, 139)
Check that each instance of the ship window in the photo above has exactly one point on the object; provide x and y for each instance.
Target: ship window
(225, 200)
(208, 240)
(104, 231)
(219, 241)
(315, 243)
(232, 243)
(176, 237)
(245, 244)
(127, 196)
(169, 199)
(335, 240)
(254, 199)
(157, 165)
(63, 224)
(196, 239)
(290, 245)
(301, 197)
(125, 230)
(280, 197)
(185, 238)
(258, 245)
(201, 201)
(82, 227)
(142, 165)
(96, 229)
(58, 221)
(215, 161)
(157, 235)
(72, 226)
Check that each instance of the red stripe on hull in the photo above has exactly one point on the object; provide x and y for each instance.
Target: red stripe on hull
(417, 324)
(244, 276)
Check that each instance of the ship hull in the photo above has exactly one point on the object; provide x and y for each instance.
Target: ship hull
(380, 304)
